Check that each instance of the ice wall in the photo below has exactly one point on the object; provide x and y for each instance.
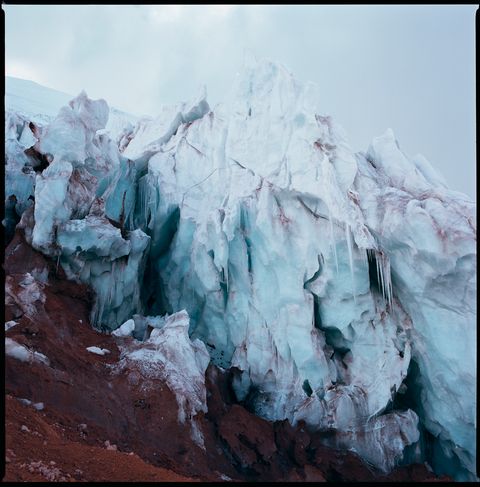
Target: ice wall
(341, 286)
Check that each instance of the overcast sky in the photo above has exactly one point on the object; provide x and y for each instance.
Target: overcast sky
(410, 68)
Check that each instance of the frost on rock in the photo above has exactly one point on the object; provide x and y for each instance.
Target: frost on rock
(169, 355)
(342, 286)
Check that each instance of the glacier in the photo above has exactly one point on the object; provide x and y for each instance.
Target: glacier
(339, 286)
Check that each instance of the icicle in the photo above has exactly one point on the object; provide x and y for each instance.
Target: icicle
(364, 255)
(101, 299)
(146, 197)
(350, 257)
(226, 277)
(377, 265)
(382, 278)
(388, 281)
(383, 275)
(93, 313)
(113, 278)
(332, 241)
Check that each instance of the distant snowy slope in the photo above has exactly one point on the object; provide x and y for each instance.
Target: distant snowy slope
(41, 104)
(30, 98)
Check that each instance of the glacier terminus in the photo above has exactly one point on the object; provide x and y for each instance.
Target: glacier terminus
(340, 287)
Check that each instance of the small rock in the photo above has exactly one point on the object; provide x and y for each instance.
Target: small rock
(7, 460)
(52, 462)
(110, 446)
(25, 429)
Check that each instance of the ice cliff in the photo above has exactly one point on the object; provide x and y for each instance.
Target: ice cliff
(340, 285)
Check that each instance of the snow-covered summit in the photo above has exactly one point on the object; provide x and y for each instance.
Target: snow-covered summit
(340, 285)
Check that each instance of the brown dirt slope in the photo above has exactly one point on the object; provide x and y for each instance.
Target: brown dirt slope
(39, 450)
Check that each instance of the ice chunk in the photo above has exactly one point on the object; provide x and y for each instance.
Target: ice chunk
(125, 330)
(149, 135)
(20, 352)
(169, 354)
(10, 324)
(98, 351)
(382, 440)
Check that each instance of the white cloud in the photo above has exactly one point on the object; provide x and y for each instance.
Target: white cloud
(409, 67)
(20, 69)
(166, 13)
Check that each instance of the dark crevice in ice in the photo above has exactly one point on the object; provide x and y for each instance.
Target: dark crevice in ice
(317, 317)
(153, 296)
(244, 225)
(224, 288)
(372, 274)
(307, 388)
(408, 394)
(248, 243)
(335, 339)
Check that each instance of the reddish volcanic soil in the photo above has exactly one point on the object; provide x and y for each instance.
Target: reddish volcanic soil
(90, 406)
(38, 449)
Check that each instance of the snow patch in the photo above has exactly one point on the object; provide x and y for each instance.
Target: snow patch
(22, 353)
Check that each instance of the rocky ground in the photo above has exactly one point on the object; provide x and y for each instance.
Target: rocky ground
(70, 416)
